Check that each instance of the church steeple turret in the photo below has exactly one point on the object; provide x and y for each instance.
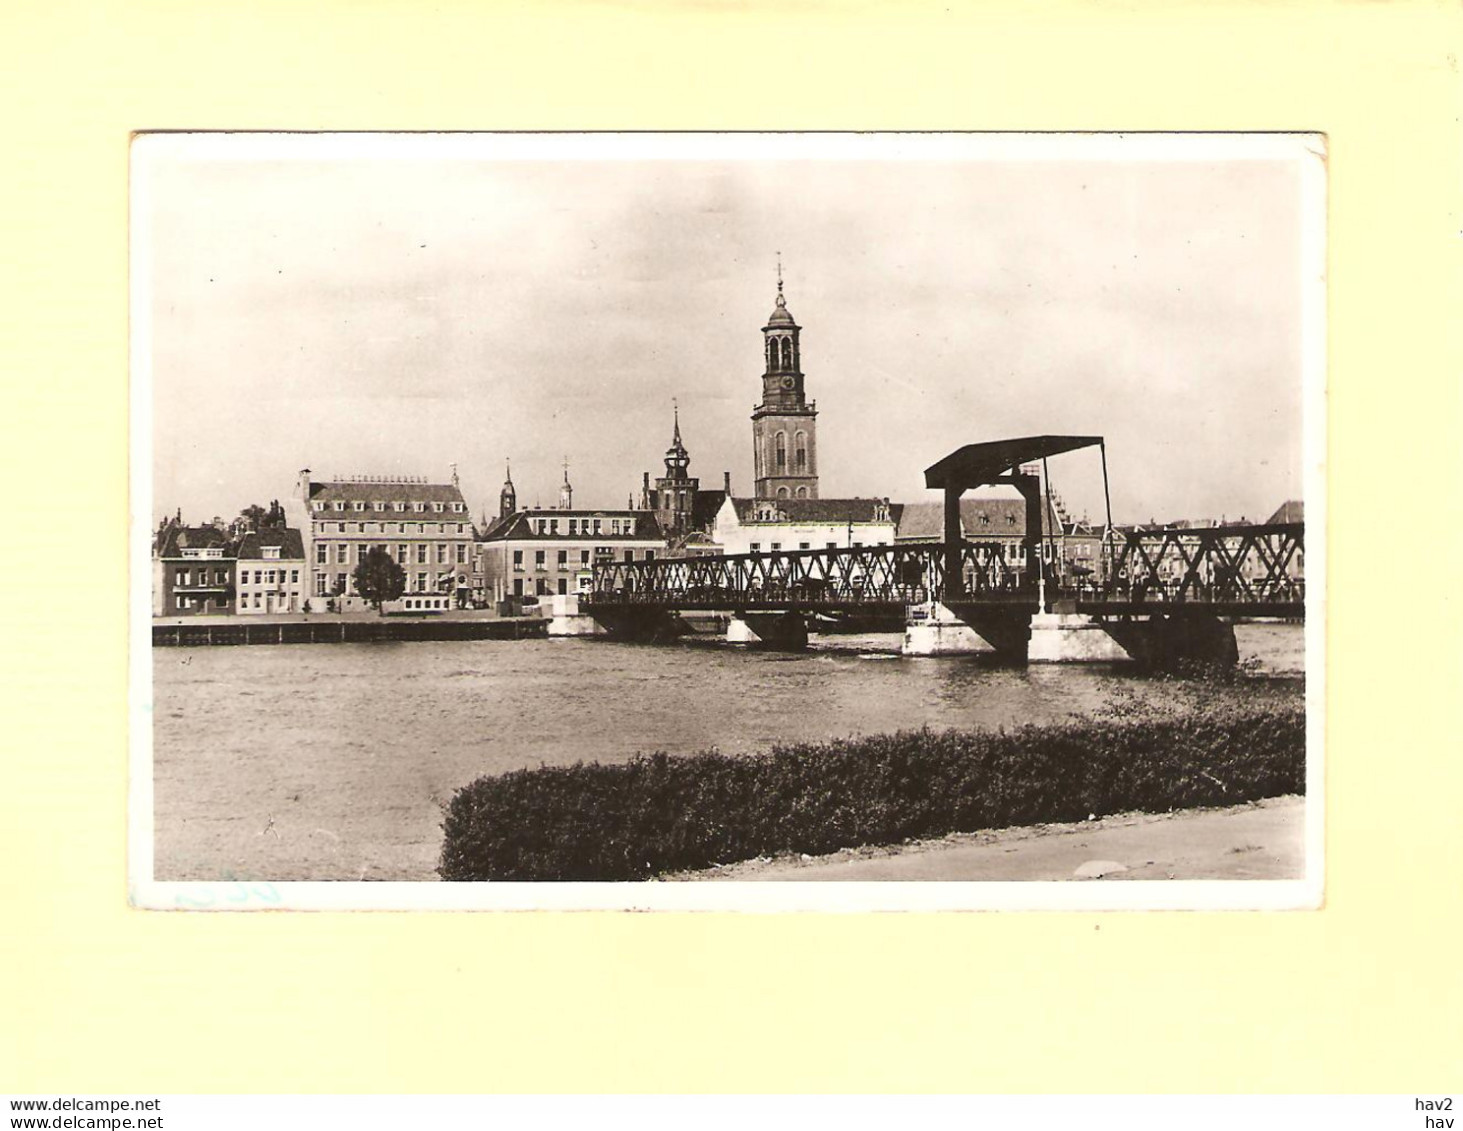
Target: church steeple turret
(677, 459)
(508, 499)
(566, 492)
(674, 497)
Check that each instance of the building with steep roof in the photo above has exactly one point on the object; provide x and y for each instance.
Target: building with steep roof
(1292, 510)
(272, 574)
(425, 526)
(1075, 545)
(192, 570)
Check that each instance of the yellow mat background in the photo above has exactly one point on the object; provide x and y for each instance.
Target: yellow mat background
(1363, 995)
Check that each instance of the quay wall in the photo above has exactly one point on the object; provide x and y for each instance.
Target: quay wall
(346, 631)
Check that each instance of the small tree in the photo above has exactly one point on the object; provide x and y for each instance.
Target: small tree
(378, 578)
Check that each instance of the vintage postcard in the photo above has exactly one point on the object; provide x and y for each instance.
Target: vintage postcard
(727, 521)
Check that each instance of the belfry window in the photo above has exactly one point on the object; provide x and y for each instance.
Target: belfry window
(781, 451)
(800, 452)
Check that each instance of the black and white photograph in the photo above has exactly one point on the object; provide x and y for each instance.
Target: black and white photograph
(727, 521)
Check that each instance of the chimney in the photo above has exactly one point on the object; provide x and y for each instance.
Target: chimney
(726, 482)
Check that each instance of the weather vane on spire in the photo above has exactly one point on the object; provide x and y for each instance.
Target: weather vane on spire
(779, 272)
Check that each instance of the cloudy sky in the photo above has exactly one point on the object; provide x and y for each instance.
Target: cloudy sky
(390, 308)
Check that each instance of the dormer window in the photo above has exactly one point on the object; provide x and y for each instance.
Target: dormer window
(318, 505)
(271, 552)
(419, 507)
(360, 506)
(437, 507)
(340, 504)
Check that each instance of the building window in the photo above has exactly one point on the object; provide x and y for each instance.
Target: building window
(650, 555)
(596, 526)
(802, 492)
(776, 546)
(517, 559)
(294, 577)
(563, 559)
(320, 585)
(563, 585)
(800, 451)
(755, 547)
(461, 552)
(538, 559)
(832, 546)
(421, 553)
(782, 492)
(804, 546)
(518, 587)
(584, 557)
(271, 551)
(629, 555)
(340, 583)
(441, 553)
(780, 451)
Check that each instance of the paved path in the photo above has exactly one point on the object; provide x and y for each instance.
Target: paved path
(1261, 841)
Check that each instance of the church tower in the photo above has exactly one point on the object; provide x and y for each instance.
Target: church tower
(508, 499)
(784, 425)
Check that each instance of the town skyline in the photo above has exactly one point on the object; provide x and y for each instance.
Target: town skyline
(368, 316)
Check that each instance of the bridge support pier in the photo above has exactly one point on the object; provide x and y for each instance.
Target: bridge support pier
(933, 630)
(565, 618)
(1167, 643)
(1071, 638)
(642, 625)
(783, 631)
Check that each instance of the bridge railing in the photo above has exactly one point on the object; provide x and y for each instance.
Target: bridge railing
(1262, 564)
(1217, 565)
(895, 575)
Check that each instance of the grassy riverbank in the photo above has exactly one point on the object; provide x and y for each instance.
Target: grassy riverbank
(659, 814)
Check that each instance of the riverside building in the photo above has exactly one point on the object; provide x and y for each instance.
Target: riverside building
(424, 526)
(271, 572)
(192, 570)
(752, 526)
(541, 553)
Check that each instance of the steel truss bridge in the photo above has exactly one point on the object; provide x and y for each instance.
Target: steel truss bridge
(1249, 570)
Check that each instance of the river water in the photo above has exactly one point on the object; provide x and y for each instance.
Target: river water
(325, 762)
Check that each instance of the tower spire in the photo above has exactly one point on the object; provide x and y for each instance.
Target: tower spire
(779, 272)
(676, 409)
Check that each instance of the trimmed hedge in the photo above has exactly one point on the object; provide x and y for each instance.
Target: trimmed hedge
(658, 814)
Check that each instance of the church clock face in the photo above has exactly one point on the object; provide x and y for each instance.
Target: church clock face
(788, 382)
